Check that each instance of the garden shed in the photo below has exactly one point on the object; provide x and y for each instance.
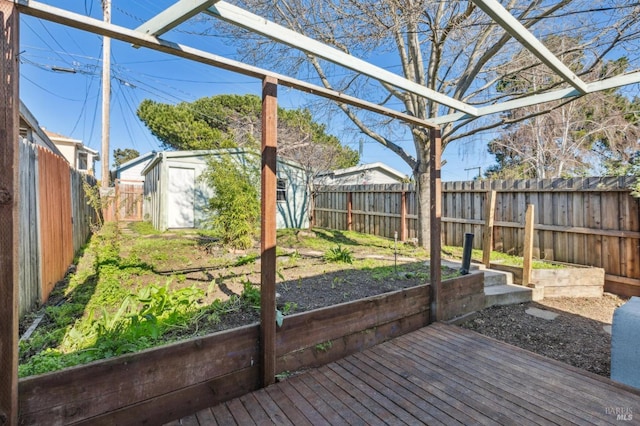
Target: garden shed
(131, 171)
(175, 195)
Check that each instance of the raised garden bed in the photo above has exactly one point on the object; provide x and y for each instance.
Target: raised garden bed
(157, 385)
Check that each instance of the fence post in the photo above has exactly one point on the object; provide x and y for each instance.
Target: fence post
(489, 218)
(403, 216)
(117, 200)
(9, 217)
(349, 211)
(528, 245)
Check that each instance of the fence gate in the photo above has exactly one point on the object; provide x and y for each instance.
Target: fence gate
(124, 202)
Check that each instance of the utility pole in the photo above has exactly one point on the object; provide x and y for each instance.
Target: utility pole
(106, 95)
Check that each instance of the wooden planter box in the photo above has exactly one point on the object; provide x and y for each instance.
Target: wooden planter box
(462, 295)
(572, 281)
(169, 382)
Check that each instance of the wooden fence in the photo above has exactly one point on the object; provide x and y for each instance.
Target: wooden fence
(584, 221)
(124, 201)
(54, 221)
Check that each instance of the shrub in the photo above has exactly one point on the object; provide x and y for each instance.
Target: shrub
(235, 205)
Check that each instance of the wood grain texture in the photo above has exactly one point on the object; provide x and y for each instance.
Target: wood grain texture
(441, 375)
(268, 230)
(590, 221)
(9, 208)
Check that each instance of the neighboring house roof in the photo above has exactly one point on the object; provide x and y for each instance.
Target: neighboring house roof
(203, 153)
(80, 157)
(378, 168)
(32, 131)
(139, 162)
(66, 140)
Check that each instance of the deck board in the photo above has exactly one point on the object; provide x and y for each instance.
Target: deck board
(558, 384)
(440, 374)
(511, 376)
(523, 395)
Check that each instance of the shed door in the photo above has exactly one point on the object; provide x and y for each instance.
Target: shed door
(180, 206)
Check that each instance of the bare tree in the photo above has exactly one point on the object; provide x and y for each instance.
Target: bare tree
(562, 138)
(448, 46)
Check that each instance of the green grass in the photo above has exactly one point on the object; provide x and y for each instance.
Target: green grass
(324, 240)
(498, 257)
(143, 228)
(109, 307)
(130, 291)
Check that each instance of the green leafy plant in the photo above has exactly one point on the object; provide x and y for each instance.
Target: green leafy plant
(96, 202)
(289, 308)
(235, 206)
(245, 260)
(339, 254)
(251, 294)
(325, 346)
(138, 323)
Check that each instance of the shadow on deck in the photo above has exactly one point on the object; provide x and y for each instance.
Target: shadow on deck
(440, 374)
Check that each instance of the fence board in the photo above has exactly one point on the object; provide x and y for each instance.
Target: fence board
(29, 225)
(587, 221)
(54, 225)
(56, 234)
(123, 201)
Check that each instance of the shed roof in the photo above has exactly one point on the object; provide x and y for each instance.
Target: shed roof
(364, 167)
(147, 156)
(159, 156)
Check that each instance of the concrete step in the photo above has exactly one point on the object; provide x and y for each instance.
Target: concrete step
(498, 286)
(509, 294)
(493, 277)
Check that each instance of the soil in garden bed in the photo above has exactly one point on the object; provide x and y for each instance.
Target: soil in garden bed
(578, 336)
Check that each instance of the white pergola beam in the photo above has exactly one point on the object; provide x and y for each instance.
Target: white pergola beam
(510, 105)
(174, 16)
(596, 86)
(257, 24)
(615, 82)
(82, 22)
(139, 38)
(518, 31)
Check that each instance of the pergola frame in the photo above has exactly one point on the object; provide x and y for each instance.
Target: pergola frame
(147, 35)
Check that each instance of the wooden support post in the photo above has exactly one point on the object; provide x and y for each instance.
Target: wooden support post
(403, 216)
(9, 219)
(268, 230)
(489, 218)
(528, 245)
(435, 207)
(349, 211)
(117, 200)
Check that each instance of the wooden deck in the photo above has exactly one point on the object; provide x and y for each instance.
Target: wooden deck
(440, 374)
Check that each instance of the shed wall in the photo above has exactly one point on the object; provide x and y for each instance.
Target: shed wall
(292, 213)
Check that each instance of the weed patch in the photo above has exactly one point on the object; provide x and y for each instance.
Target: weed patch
(137, 288)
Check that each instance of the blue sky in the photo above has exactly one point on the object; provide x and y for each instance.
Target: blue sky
(70, 103)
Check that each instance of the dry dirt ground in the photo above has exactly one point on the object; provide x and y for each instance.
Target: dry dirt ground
(577, 336)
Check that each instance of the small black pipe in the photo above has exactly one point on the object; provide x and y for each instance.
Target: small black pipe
(466, 253)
